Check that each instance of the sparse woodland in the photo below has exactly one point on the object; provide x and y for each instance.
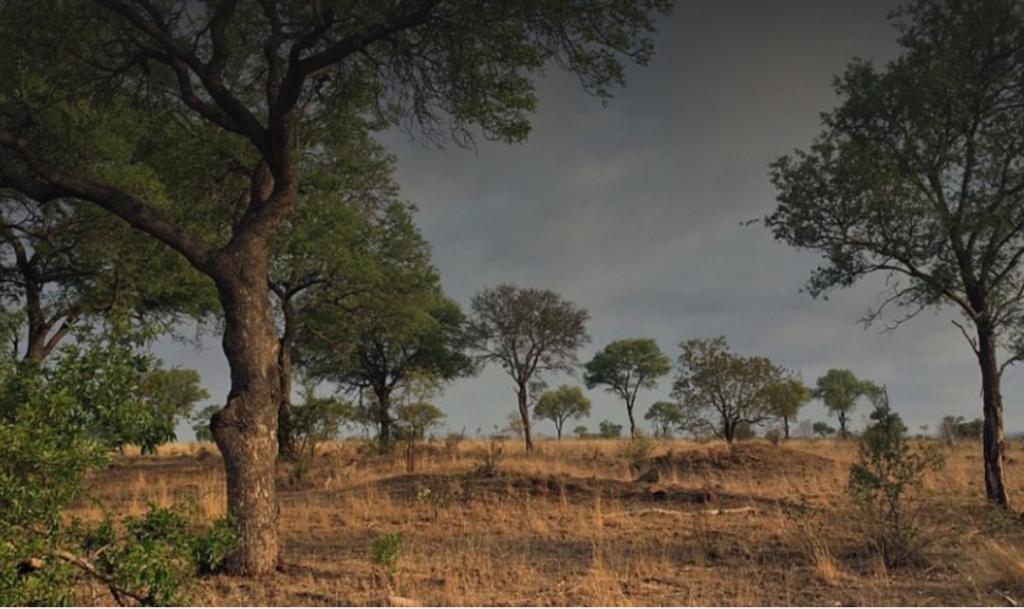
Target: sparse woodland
(212, 170)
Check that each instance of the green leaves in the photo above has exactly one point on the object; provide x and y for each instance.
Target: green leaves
(839, 389)
(722, 392)
(882, 482)
(627, 366)
(561, 404)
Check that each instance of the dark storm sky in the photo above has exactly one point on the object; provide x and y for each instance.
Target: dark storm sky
(634, 212)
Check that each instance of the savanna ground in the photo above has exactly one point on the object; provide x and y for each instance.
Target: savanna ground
(482, 523)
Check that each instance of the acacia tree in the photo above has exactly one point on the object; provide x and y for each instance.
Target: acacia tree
(560, 405)
(151, 110)
(350, 237)
(386, 345)
(528, 332)
(917, 176)
(625, 367)
(666, 416)
(785, 399)
(64, 265)
(839, 390)
(720, 391)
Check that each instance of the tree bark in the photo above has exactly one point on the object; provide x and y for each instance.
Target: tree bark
(632, 422)
(842, 424)
(384, 414)
(285, 437)
(728, 432)
(524, 413)
(245, 430)
(785, 427)
(993, 445)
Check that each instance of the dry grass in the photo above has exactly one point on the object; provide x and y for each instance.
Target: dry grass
(569, 525)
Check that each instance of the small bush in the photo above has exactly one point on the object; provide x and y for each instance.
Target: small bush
(638, 451)
(883, 482)
(385, 550)
(452, 441)
(492, 454)
(213, 546)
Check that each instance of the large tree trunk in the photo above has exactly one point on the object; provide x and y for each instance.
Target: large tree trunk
(993, 447)
(842, 424)
(785, 427)
(524, 413)
(246, 428)
(285, 437)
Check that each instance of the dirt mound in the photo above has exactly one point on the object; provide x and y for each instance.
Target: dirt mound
(475, 485)
(741, 457)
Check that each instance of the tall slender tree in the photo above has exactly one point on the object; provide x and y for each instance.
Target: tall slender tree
(528, 332)
(917, 176)
(349, 237)
(159, 112)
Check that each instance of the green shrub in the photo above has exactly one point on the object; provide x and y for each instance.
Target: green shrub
(385, 550)
(56, 424)
(883, 482)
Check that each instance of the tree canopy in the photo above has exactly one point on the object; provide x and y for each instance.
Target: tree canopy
(528, 332)
(561, 404)
(625, 367)
(666, 417)
(721, 392)
(839, 389)
(785, 399)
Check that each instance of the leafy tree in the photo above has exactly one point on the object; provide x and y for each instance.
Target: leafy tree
(666, 416)
(349, 236)
(839, 389)
(167, 113)
(66, 265)
(125, 396)
(581, 431)
(317, 420)
(956, 428)
(388, 343)
(971, 430)
(528, 332)
(560, 405)
(625, 367)
(171, 394)
(823, 429)
(720, 391)
(888, 469)
(609, 430)
(200, 420)
(786, 398)
(916, 176)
